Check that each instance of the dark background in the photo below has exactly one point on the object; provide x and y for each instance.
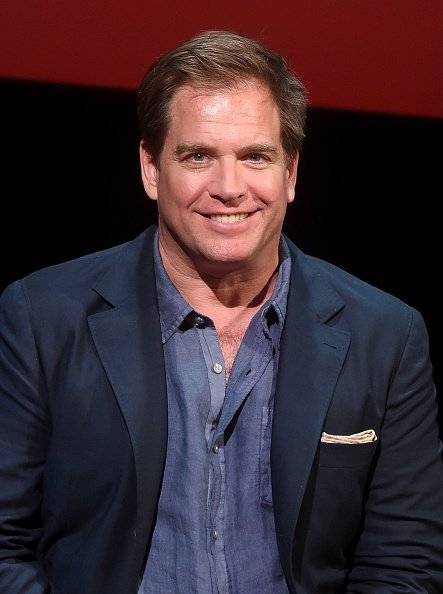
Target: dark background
(367, 196)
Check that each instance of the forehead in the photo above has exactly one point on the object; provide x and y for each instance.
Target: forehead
(241, 104)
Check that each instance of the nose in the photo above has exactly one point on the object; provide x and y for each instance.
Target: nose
(228, 182)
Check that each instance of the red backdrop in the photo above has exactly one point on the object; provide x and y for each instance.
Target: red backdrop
(372, 55)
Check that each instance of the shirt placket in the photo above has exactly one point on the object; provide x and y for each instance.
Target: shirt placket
(214, 439)
(224, 403)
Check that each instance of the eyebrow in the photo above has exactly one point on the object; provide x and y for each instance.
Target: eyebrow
(190, 147)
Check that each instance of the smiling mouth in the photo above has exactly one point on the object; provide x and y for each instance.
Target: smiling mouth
(231, 218)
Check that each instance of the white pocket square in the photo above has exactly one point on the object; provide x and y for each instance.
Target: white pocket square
(362, 437)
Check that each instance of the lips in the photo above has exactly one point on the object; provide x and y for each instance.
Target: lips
(229, 218)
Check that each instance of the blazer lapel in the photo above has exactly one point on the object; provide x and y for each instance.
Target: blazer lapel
(128, 340)
(311, 357)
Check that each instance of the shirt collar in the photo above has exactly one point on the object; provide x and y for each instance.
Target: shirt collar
(279, 297)
(173, 308)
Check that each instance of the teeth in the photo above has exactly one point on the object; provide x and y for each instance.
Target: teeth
(232, 218)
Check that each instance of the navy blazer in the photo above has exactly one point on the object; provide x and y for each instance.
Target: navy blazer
(83, 427)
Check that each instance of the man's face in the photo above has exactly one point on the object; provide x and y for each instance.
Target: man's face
(222, 183)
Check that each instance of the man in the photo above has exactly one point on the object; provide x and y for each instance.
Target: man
(206, 408)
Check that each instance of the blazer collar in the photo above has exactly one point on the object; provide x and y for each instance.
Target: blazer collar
(131, 271)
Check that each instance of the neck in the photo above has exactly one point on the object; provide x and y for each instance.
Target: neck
(223, 291)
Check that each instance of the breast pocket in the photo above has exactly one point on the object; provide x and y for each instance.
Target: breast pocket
(338, 455)
(335, 499)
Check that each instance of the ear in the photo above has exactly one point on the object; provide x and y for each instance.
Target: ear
(292, 177)
(149, 172)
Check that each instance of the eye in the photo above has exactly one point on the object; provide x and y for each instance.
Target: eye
(256, 159)
(198, 157)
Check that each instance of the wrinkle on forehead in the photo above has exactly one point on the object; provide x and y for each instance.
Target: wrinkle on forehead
(221, 94)
(219, 107)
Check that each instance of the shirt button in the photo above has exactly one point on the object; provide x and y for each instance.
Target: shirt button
(214, 534)
(199, 321)
(217, 368)
(215, 448)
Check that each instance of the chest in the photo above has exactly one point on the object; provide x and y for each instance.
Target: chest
(230, 338)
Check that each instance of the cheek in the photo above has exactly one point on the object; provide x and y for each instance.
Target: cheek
(262, 185)
(271, 189)
(183, 188)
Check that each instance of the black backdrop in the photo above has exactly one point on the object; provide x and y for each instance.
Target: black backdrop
(368, 190)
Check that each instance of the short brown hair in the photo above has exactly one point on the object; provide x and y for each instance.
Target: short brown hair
(219, 59)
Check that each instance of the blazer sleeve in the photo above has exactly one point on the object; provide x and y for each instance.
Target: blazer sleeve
(400, 548)
(24, 437)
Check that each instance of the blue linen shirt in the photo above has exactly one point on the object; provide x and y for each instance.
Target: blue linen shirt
(214, 531)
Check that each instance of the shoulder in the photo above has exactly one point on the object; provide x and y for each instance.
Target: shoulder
(354, 300)
(74, 275)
